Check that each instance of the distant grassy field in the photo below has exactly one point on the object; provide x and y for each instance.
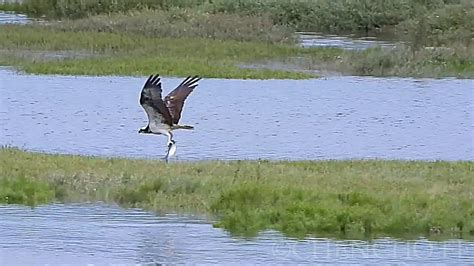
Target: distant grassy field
(223, 38)
(303, 15)
(336, 198)
(133, 54)
(125, 53)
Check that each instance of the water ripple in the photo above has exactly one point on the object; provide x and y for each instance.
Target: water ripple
(102, 234)
(334, 118)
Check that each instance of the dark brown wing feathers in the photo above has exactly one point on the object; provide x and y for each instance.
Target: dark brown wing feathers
(151, 98)
(175, 99)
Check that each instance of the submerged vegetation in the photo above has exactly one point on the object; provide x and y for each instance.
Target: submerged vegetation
(221, 38)
(338, 198)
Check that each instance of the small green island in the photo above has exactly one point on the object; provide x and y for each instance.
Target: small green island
(238, 39)
(349, 198)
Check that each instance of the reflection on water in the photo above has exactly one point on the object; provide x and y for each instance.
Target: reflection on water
(335, 118)
(349, 42)
(100, 234)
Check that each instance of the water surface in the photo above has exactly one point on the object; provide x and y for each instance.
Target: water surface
(13, 18)
(334, 118)
(347, 42)
(101, 234)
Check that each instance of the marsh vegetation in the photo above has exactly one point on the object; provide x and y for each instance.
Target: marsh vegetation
(215, 38)
(339, 198)
(303, 15)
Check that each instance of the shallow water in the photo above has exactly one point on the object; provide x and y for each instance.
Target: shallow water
(348, 42)
(100, 234)
(334, 118)
(13, 18)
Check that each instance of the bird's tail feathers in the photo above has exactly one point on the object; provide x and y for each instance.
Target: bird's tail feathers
(183, 127)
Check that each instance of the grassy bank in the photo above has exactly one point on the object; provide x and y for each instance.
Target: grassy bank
(121, 52)
(339, 198)
(184, 23)
(223, 38)
(133, 54)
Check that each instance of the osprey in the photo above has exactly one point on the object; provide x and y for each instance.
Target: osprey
(164, 115)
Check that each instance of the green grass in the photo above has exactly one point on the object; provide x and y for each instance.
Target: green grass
(24, 191)
(84, 8)
(449, 26)
(167, 66)
(421, 23)
(179, 23)
(220, 39)
(313, 15)
(336, 198)
(129, 54)
(125, 53)
(407, 62)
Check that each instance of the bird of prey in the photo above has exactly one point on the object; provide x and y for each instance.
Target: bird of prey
(164, 114)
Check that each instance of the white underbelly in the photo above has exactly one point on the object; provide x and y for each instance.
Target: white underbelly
(159, 128)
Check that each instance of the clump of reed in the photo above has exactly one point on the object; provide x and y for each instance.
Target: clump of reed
(184, 23)
(73, 9)
(313, 15)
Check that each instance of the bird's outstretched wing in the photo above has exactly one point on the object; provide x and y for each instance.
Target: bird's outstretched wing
(150, 100)
(175, 99)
